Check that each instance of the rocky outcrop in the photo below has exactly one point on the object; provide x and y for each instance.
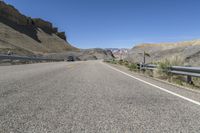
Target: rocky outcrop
(27, 36)
(61, 35)
(96, 53)
(9, 13)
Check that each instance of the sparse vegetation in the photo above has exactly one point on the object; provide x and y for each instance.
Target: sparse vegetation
(162, 71)
(113, 61)
(133, 67)
(196, 81)
(126, 63)
(121, 62)
(149, 73)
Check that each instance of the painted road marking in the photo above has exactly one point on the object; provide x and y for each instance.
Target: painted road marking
(163, 89)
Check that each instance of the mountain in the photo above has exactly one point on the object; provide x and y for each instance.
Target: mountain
(119, 53)
(29, 36)
(189, 51)
(34, 36)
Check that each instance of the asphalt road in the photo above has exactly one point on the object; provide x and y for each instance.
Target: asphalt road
(90, 97)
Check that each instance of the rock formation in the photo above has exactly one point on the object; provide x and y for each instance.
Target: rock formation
(9, 13)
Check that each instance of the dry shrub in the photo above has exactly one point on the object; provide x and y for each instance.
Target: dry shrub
(149, 73)
(163, 67)
(133, 67)
(126, 63)
(196, 82)
(121, 62)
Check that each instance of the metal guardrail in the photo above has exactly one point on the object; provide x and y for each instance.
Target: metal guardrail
(26, 58)
(179, 70)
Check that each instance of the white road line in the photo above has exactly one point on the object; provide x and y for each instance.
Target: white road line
(170, 92)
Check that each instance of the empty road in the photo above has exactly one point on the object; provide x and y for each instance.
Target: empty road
(90, 97)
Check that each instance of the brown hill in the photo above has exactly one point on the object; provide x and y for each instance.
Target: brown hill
(187, 50)
(27, 36)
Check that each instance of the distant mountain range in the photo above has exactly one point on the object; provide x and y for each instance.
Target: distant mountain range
(119, 53)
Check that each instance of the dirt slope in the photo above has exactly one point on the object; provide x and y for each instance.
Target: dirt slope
(33, 36)
(188, 50)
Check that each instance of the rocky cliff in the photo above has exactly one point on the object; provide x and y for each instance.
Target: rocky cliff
(8, 12)
(26, 35)
(34, 36)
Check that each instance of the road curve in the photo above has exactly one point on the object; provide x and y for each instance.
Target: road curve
(89, 97)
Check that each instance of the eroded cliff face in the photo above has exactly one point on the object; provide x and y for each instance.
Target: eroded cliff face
(29, 36)
(12, 14)
(9, 13)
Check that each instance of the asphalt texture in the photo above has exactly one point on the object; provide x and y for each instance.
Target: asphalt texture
(89, 97)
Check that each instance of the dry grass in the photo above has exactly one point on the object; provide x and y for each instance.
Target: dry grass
(133, 67)
(165, 64)
(149, 73)
(196, 82)
(162, 72)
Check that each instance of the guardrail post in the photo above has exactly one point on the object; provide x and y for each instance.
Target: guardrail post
(189, 79)
(141, 65)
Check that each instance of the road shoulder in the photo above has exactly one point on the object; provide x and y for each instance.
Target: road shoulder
(183, 91)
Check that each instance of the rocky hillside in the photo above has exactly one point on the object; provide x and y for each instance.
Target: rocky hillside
(119, 53)
(28, 36)
(33, 36)
(188, 51)
(84, 54)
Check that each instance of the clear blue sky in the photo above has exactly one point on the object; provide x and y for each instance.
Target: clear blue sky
(118, 23)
